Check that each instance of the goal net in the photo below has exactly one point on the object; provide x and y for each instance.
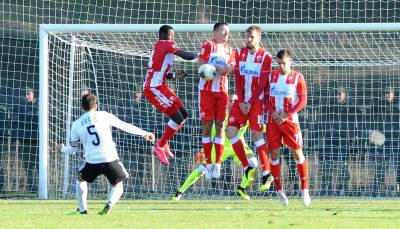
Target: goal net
(350, 131)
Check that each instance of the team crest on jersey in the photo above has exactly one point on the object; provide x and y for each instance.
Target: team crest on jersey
(231, 120)
(202, 115)
(274, 78)
(172, 98)
(290, 80)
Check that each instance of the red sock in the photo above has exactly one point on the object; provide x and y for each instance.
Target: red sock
(207, 147)
(219, 150)
(263, 155)
(170, 130)
(276, 173)
(168, 135)
(303, 174)
(238, 147)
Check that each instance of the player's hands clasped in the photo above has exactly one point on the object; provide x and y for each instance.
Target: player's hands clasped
(279, 117)
(245, 108)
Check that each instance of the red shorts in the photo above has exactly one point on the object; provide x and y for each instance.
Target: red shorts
(163, 99)
(287, 133)
(255, 117)
(213, 105)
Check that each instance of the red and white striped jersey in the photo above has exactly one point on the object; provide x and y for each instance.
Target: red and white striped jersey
(283, 92)
(160, 62)
(217, 54)
(249, 68)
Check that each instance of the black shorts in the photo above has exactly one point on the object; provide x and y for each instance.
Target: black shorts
(114, 171)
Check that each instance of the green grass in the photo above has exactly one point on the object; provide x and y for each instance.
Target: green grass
(204, 214)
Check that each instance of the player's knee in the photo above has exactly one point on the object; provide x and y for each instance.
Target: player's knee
(231, 132)
(207, 125)
(253, 162)
(256, 135)
(274, 154)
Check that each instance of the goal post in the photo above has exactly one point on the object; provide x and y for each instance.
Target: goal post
(330, 50)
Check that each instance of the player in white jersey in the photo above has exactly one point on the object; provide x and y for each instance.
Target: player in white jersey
(93, 130)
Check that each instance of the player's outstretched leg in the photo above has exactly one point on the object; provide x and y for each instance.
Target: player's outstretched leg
(192, 178)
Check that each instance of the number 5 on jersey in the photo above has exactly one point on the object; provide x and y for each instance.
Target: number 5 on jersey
(91, 132)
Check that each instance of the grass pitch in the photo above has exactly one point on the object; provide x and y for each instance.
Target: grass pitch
(322, 213)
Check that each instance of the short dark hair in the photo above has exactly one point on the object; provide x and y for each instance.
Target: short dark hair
(163, 32)
(254, 28)
(219, 24)
(89, 101)
(283, 53)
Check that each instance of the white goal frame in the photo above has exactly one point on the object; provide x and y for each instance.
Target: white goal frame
(45, 29)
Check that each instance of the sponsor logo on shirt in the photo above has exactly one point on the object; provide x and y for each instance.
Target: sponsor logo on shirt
(245, 71)
(274, 91)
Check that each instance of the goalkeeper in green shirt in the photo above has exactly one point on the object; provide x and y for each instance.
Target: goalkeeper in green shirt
(200, 161)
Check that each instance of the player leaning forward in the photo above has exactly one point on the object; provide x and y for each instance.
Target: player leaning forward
(93, 130)
(286, 94)
(252, 64)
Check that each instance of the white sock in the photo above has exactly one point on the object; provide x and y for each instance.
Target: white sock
(115, 194)
(81, 194)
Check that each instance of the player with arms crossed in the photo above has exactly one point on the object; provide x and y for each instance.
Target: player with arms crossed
(214, 95)
(286, 94)
(252, 62)
(159, 94)
(93, 130)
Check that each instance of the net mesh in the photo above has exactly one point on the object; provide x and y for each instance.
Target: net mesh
(343, 143)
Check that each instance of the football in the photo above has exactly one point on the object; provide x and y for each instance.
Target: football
(207, 71)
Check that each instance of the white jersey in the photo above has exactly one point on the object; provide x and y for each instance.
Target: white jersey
(93, 129)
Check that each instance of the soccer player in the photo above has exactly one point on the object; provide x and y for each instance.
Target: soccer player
(286, 94)
(200, 161)
(214, 95)
(159, 94)
(93, 130)
(252, 62)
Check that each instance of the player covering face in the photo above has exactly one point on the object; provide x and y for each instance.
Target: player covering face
(158, 93)
(93, 130)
